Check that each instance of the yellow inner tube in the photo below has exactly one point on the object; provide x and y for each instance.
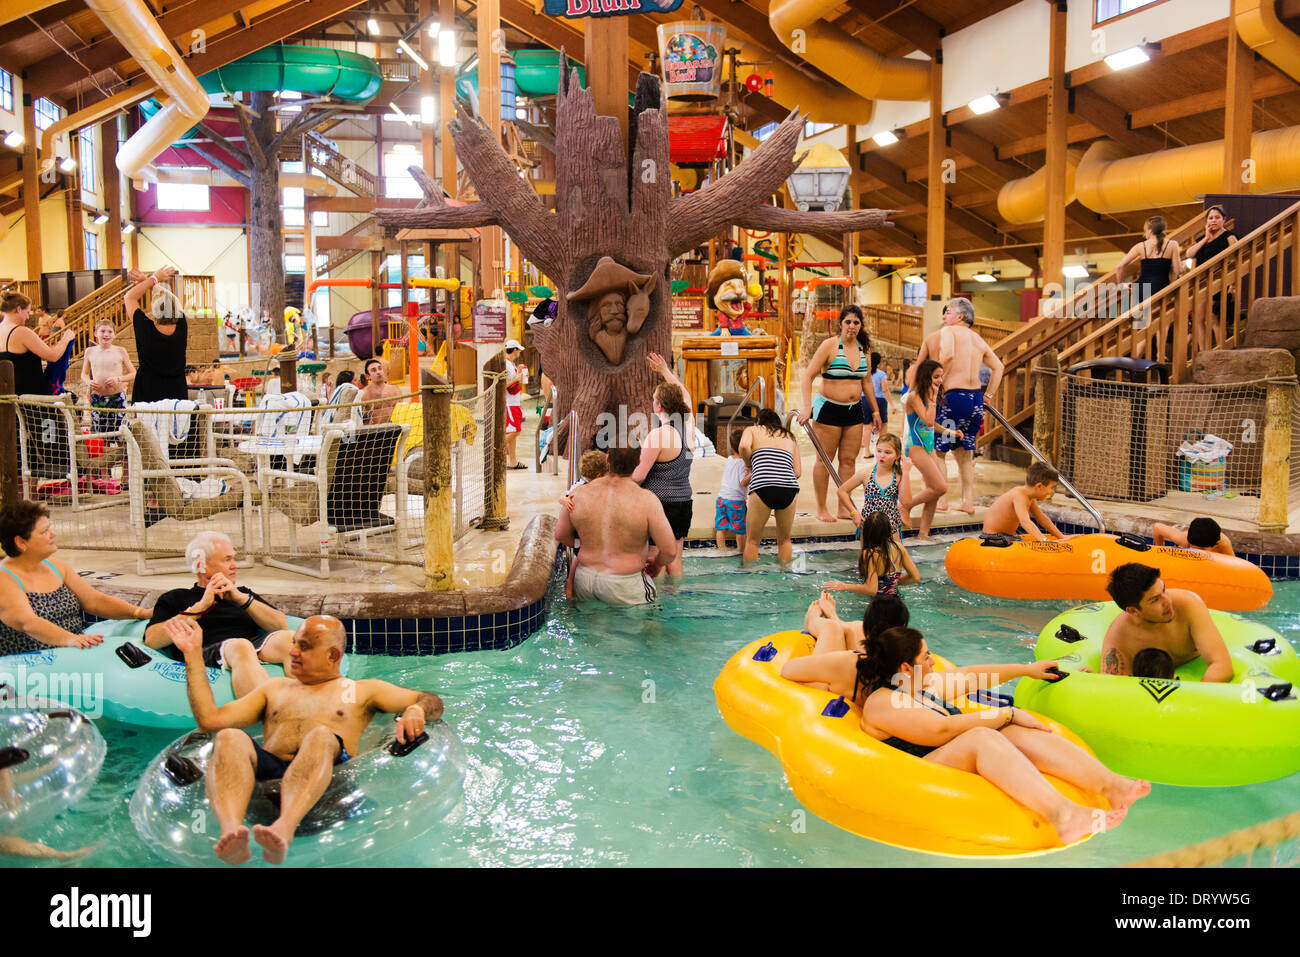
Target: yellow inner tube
(864, 786)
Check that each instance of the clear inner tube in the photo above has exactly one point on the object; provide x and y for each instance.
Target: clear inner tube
(50, 756)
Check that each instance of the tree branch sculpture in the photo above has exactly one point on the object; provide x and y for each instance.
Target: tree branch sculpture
(609, 207)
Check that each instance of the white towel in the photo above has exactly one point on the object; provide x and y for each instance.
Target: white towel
(208, 488)
(168, 429)
(289, 413)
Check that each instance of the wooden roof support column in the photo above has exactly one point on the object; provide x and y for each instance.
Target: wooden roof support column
(1237, 114)
(428, 88)
(31, 191)
(936, 208)
(491, 44)
(112, 258)
(447, 107)
(1058, 119)
(606, 45)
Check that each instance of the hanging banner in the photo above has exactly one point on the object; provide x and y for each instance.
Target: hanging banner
(692, 57)
(576, 9)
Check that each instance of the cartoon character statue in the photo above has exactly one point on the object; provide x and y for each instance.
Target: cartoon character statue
(728, 294)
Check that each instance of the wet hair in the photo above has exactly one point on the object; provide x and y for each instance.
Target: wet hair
(1040, 474)
(623, 459)
(924, 375)
(346, 376)
(769, 420)
(13, 301)
(371, 361)
(884, 612)
(864, 340)
(1203, 533)
(877, 537)
(735, 438)
(19, 521)
(593, 464)
(1153, 663)
(1130, 582)
(1157, 225)
(965, 307)
(887, 652)
(896, 444)
(671, 399)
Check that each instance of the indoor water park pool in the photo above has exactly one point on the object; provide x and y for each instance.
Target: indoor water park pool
(598, 741)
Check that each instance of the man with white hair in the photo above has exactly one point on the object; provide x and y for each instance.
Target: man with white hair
(962, 351)
(240, 630)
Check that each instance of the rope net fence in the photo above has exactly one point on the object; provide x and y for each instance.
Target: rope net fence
(292, 482)
(1194, 447)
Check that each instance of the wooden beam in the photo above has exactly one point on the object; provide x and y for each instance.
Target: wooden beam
(1237, 115)
(935, 205)
(1169, 46)
(31, 190)
(1058, 116)
(1271, 84)
(1074, 133)
(909, 23)
(985, 154)
(1113, 121)
(488, 16)
(607, 49)
(24, 27)
(112, 193)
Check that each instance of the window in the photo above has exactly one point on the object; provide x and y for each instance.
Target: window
(763, 132)
(6, 91)
(393, 267)
(914, 293)
(47, 113)
(291, 217)
(189, 197)
(1110, 9)
(88, 163)
(295, 263)
(320, 218)
(812, 129)
(397, 181)
(92, 250)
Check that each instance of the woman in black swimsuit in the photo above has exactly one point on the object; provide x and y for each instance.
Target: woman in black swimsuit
(1217, 238)
(24, 348)
(160, 341)
(1161, 263)
(772, 453)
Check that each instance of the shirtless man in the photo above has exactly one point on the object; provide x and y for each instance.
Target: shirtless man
(1175, 621)
(962, 351)
(312, 720)
(377, 387)
(618, 522)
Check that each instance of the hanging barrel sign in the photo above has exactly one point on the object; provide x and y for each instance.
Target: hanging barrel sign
(691, 53)
(577, 9)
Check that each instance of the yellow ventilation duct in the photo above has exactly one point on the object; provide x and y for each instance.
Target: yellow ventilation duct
(1025, 200)
(1109, 182)
(139, 33)
(91, 114)
(799, 25)
(1261, 30)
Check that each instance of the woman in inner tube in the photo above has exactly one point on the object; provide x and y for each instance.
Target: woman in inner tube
(844, 363)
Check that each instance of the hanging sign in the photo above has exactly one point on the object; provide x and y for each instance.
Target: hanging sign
(688, 312)
(577, 9)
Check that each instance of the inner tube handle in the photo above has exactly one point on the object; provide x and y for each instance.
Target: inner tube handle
(766, 653)
(1277, 692)
(401, 750)
(1068, 634)
(1265, 646)
(993, 699)
(182, 770)
(1129, 540)
(12, 757)
(996, 540)
(1060, 675)
(836, 709)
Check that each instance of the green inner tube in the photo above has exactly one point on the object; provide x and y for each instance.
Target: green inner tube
(1180, 731)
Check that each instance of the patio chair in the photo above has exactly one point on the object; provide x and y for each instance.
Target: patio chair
(154, 477)
(53, 449)
(342, 494)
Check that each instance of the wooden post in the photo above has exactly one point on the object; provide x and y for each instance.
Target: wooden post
(936, 207)
(72, 207)
(8, 439)
(376, 299)
(446, 110)
(605, 43)
(31, 190)
(490, 47)
(1058, 119)
(439, 559)
(494, 474)
(1277, 454)
(288, 360)
(112, 193)
(1046, 371)
(1237, 113)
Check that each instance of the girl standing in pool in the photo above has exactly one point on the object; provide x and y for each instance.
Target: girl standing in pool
(920, 406)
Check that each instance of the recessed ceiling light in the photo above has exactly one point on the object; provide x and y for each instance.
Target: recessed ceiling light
(1127, 58)
(885, 138)
(985, 277)
(985, 104)
(1076, 271)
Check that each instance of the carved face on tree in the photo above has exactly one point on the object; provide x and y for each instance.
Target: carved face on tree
(619, 300)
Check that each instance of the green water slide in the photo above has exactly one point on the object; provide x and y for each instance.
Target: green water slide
(537, 73)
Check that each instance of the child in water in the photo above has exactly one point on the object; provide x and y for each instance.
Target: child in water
(1018, 508)
(883, 562)
(730, 515)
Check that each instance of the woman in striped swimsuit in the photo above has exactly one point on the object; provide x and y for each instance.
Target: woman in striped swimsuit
(843, 362)
(774, 470)
(666, 455)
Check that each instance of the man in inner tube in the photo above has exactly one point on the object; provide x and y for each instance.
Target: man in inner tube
(312, 719)
(1174, 620)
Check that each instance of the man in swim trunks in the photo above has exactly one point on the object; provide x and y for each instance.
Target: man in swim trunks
(618, 522)
(240, 630)
(962, 351)
(1173, 620)
(312, 719)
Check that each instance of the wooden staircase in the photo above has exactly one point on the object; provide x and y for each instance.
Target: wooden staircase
(365, 229)
(346, 172)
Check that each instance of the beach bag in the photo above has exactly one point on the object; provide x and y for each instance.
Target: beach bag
(1203, 463)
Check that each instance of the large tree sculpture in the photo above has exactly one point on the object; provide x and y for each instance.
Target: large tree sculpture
(606, 207)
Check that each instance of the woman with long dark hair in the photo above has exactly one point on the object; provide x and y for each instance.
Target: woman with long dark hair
(666, 454)
(883, 562)
(921, 403)
(1160, 263)
(844, 364)
(1217, 238)
(772, 453)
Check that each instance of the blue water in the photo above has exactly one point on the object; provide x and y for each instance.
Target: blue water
(597, 741)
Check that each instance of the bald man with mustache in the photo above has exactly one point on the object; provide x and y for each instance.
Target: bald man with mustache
(312, 720)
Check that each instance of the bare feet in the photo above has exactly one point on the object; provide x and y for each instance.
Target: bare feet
(824, 516)
(968, 508)
(942, 505)
(1079, 821)
(849, 516)
(233, 847)
(274, 844)
(1125, 791)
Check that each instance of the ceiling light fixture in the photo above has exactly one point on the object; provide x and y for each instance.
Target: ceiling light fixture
(128, 228)
(988, 102)
(373, 26)
(1076, 271)
(447, 48)
(434, 27)
(412, 54)
(101, 219)
(914, 280)
(427, 110)
(1127, 58)
(67, 164)
(14, 138)
(885, 138)
(400, 115)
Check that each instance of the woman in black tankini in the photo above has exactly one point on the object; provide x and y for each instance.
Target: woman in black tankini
(24, 348)
(159, 341)
(1161, 264)
(1217, 238)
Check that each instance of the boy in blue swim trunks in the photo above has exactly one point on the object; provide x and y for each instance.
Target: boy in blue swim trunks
(730, 516)
(312, 719)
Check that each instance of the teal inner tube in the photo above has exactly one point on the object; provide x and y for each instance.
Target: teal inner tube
(375, 801)
(99, 681)
(50, 756)
(1175, 731)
